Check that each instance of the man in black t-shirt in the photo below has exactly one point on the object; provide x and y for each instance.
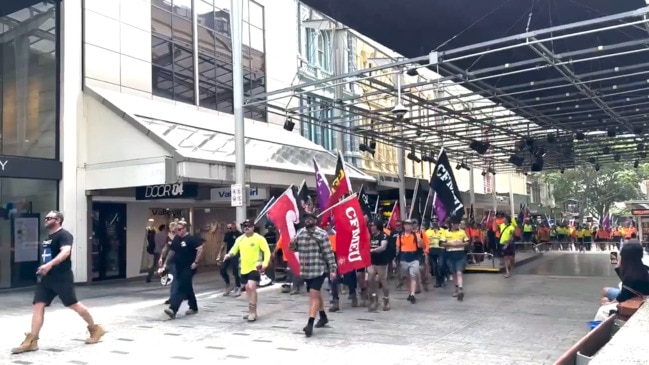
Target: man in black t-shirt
(232, 263)
(186, 251)
(56, 279)
(378, 271)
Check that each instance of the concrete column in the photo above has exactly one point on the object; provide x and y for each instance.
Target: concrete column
(494, 195)
(471, 186)
(511, 194)
(72, 192)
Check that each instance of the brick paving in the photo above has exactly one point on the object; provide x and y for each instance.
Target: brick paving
(526, 319)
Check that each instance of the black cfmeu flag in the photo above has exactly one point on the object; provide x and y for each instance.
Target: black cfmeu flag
(447, 193)
(364, 201)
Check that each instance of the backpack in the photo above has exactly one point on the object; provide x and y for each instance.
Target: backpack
(150, 242)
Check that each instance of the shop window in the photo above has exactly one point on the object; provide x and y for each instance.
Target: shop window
(23, 206)
(28, 82)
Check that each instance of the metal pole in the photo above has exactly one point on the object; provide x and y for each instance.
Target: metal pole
(494, 194)
(338, 69)
(471, 186)
(511, 195)
(236, 20)
(401, 165)
(197, 84)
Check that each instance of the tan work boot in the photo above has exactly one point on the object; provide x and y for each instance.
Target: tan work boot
(374, 303)
(386, 304)
(29, 344)
(252, 312)
(96, 333)
(335, 306)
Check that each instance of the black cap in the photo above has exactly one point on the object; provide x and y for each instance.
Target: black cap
(247, 222)
(309, 215)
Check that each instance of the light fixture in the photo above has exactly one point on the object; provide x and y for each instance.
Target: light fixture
(551, 138)
(611, 132)
(562, 170)
(462, 165)
(363, 147)
(412, 72)
(597, 167)
(413, 156)
(617, 157)
(538, 151)
(606, 150)
(289, 124)
(480, 147)
(580, 136)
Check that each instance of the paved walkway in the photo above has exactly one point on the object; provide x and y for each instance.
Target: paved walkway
(526, 319)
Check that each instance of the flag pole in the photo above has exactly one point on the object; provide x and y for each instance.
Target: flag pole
(275, 202)
(353, 196)
(412, 200)
(264, 210)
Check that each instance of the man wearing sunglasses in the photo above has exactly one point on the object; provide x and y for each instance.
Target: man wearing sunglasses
(186, 251)
(250, 247)
(56, 280)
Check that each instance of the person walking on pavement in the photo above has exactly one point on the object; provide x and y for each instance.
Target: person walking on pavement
(378, 271)
(250, 246)
(317, 261)
(186, 251)
(163, 257)
(160, 240)
(56, 279)
(232, 262)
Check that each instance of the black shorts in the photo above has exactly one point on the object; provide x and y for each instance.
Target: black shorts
(508, 251)
(251, 276)
(315, 283)
(361, 271)
(57, 285)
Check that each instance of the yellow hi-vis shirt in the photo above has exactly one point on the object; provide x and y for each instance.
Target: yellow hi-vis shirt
(527, 228)
(506, 232)
(250, 249)
(434, 235)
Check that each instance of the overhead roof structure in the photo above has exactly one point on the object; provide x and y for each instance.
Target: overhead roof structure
(561, 94)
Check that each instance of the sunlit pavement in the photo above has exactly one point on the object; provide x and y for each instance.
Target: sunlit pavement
(526, 319)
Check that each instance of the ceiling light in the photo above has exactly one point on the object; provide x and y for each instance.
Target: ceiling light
(365, 148)
(636, 164)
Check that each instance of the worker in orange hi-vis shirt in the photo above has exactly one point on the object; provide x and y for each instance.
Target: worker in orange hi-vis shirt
(476, 244)
(603, 238)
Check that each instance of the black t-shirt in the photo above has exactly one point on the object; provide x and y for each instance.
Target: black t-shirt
(185, 250)
(271, 238)
(379, 258)
(230, 238)
(52, 248)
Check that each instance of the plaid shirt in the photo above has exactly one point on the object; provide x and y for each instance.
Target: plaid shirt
(314, 253)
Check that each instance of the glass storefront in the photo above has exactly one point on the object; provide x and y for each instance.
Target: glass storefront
(30, 169)
(23, 204)
(28, 81)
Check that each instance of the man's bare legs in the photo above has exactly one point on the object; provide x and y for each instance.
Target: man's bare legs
(251, 292)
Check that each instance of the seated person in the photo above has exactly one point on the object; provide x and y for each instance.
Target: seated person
(634, 275)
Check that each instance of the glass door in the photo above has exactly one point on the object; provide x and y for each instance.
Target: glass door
(108, 241)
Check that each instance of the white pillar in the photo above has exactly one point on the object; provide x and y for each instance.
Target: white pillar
(72, 188)
(471, 186)
(511, 195)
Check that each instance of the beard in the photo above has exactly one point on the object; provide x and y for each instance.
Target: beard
(309, 224)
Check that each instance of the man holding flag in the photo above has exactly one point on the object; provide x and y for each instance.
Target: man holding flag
(317, 261)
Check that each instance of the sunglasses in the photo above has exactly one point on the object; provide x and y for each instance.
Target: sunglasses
(246, 227)
(49, 218)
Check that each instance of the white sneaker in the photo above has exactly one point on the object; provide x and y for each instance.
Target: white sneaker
(227, 292)
(237, 293)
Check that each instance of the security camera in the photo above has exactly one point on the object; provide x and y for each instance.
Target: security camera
(399, 110)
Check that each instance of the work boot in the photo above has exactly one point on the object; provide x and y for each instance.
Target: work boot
(455, 293)
(374, 303)
(460, 295)
(386, 304)
(29, 344)
(354, 301)
(335, 306)
(286, 289)
(237, 292)
(170, 313)
(364, 298)
(308, 330)
(322, 321)
(96, 333)
(252, 313)
(228, 290)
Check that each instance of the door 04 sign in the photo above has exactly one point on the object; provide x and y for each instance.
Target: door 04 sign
(166, 191)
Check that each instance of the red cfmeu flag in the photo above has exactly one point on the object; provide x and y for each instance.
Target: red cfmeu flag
(352, 236)
(340, 186)
(284, 213)
(395, 217)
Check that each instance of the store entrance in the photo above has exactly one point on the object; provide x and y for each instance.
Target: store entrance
(108, 241)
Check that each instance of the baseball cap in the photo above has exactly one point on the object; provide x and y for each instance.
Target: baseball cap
(409, 221)
(247, 222)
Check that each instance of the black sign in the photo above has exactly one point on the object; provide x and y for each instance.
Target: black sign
(640, 211)
(30, 168)
(166, 191)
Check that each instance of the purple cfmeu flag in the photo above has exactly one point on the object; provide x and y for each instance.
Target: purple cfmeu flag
(322, 187)
(606, 223)
(440, 210)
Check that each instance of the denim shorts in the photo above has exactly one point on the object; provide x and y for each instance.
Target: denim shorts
(456, 261)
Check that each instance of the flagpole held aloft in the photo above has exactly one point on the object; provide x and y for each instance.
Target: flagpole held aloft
(413, 199)
(353, 196)
(290, 188)
(264, 210)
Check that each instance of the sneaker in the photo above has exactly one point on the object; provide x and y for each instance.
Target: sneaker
(335, 306)
(228, 290)
(167, 302)
(237, 293)
(170, 313)
(96, 333)
(191, 312)
(386, 304)
(29, 344)
(460, 295)
(412, 299)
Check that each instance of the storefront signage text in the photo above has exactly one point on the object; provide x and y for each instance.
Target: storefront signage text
(167, 212)
(3, 164)
(166, 191)
(30, 168)
(224, 194)
(640, 211)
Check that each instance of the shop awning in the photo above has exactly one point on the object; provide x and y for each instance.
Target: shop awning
(199, 144)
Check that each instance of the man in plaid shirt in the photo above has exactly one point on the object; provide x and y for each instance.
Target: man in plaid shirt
(317, 261)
